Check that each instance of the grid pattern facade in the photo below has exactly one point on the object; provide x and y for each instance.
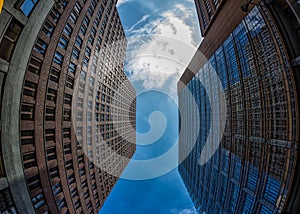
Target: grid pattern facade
(253, 168)
(206, 10)
(75, 100)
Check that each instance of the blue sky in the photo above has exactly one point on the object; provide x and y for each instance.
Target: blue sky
(162, 37)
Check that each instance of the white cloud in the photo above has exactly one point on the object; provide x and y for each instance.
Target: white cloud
(159, 52)
(120, 2)
(184, 211)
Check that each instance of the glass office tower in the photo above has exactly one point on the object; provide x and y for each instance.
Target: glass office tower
(64, 98)
(254, 170)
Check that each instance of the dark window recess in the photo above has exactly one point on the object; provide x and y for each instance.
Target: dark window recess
(27, 137)
(10, 39)
(27, 111)
(50, 135)
(68, 99)
(67, 115)
(54, 75)
(29, 89)
(40, 46)
(50, 114)
(51, 94)
(70, 82)
(34, 65)
(54, 14)
(67, 133)
(51, 154)
(34, 182)
(29, 160)
(48, 28)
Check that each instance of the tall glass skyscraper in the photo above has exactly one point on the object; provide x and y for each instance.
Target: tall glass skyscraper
(67, 108)
(254, 170)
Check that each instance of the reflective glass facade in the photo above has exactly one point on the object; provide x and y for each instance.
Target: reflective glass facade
(253, 168)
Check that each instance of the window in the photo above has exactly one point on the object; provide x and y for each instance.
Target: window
(78, 41)
(9, 40)
(86, 21)
(51, 94)
(48, 28)
(50, 114)
(72, 68)
(90, 40)
(54, 15)
(27, 111)
(77, 8)
(87, 52)
(54, 75)
(82, 29)
(70, 82)
(26, 6)
(29, 88)
(38, 201)
(63, 42)
(58, 58)
(73, 17)
(75, 53)
(68, 29)
(68, 99)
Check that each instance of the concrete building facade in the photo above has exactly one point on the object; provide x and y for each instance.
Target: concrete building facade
(64, 100)
(255, 55)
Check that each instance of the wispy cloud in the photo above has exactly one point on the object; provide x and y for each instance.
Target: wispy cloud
(184, 211)
(159, 51)
(120, 2)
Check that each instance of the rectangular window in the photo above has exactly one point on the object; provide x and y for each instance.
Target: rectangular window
(77, 8)
(50, 114)
(54, 75)
(51, 154)
(51, 94)
(78, 41)
(86, 21)
(67, 115)
(58, 58)
(68, 99)
(63, 42)
(27, 111)
(48, 28)
(82, 29)
(68, 29)
(87, 52)
(38, 200)
(54, 14)
(73, 17)
(75, 53)
(29, 89)
(70, 82)
(9, 40)
(72, 68)
(26, 6)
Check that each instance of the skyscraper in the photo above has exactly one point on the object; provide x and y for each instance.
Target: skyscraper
(67, 108)
(255, 55)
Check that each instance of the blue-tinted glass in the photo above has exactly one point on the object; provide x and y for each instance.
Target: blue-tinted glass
(243, 48)
(28, 6)
(232, 66)
(272, 190)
